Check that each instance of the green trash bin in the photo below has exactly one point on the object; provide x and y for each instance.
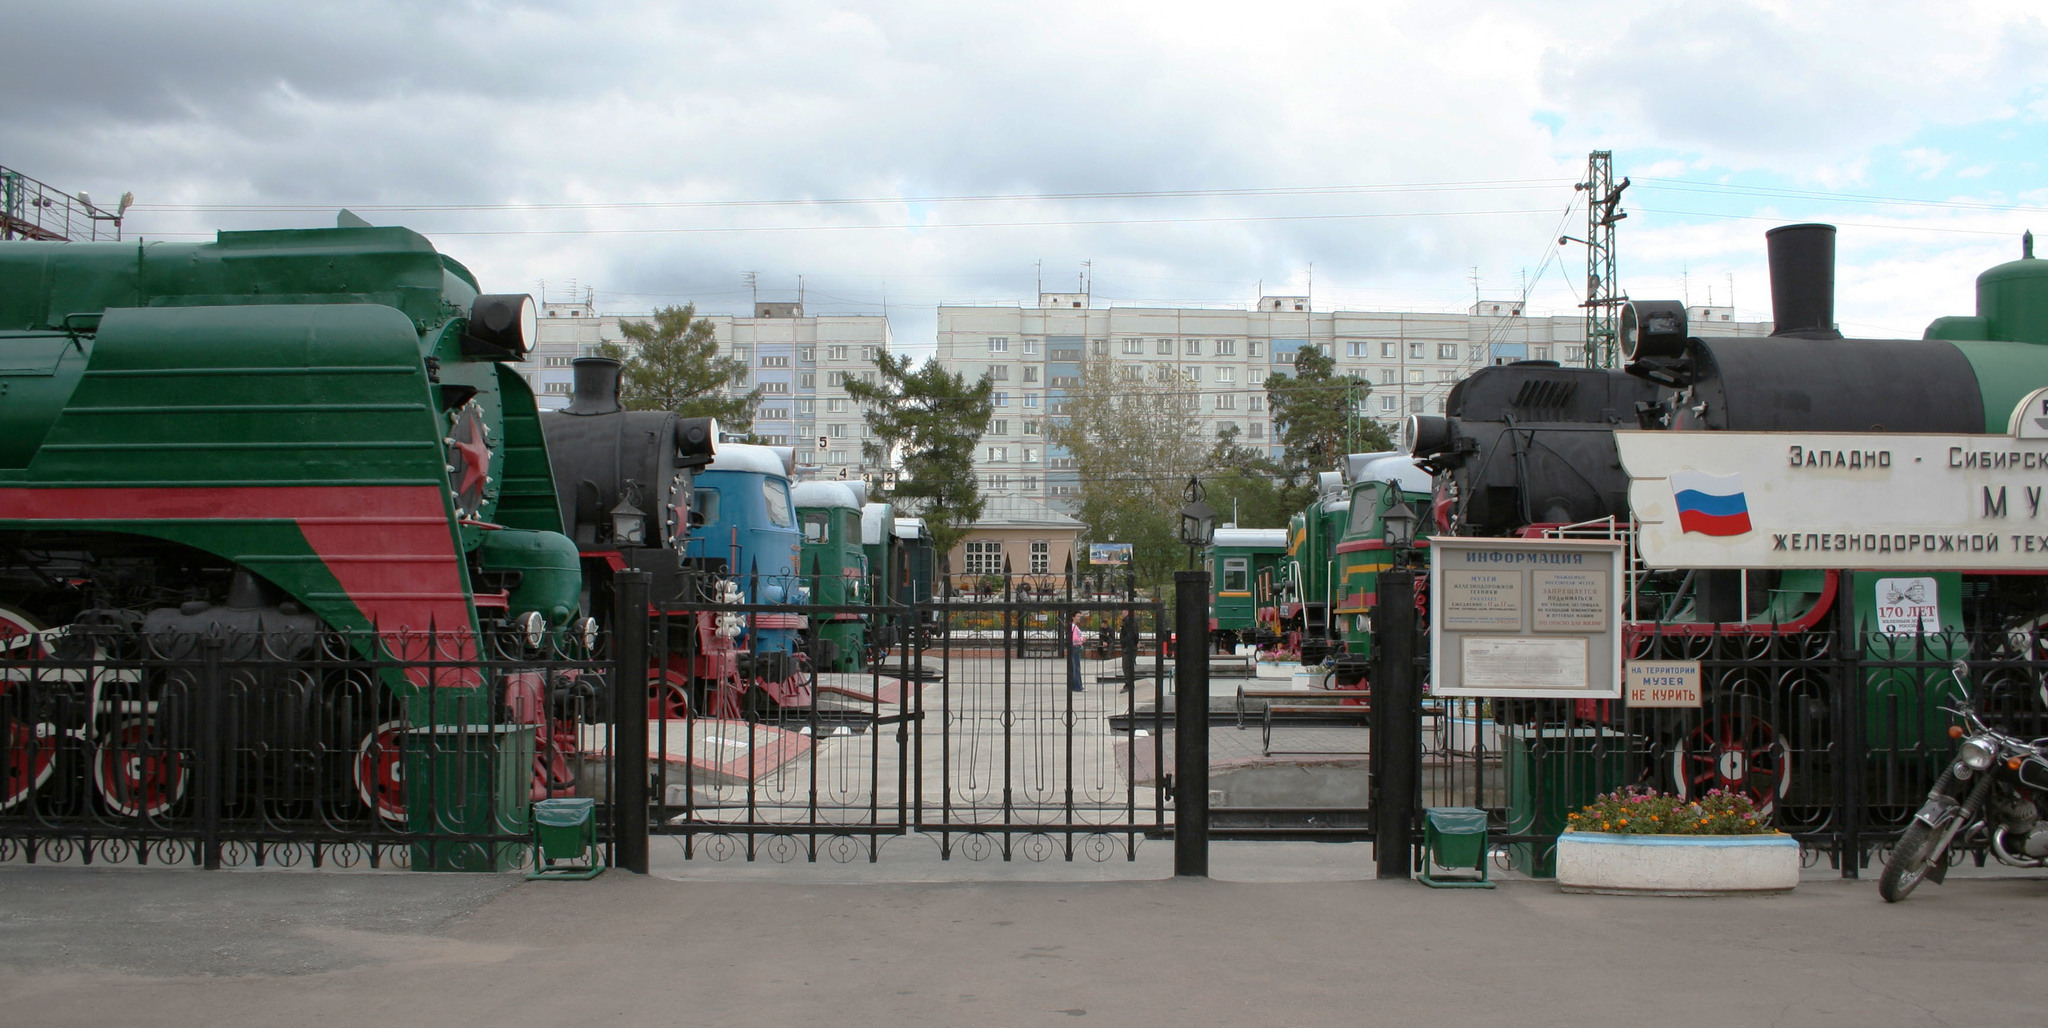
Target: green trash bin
(565, 830)
(1551, 772)
(468, 780)
(1454, 839)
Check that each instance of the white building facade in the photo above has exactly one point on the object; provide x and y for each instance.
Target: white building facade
(1035, 355)
(801, 362)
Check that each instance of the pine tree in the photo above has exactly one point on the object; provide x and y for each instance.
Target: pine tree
(931, 419)
(1312, 416)
(675, 366)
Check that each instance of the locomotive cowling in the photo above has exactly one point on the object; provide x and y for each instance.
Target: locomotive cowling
(265, 435)
(835, 567)
(751, 546)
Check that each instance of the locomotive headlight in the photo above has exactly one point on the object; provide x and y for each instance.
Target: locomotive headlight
(586, 633)
(1978, 752)
(533, 628)
(1652, 328)
(507, 321)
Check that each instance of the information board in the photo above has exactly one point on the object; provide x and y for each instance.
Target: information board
(1525, 617)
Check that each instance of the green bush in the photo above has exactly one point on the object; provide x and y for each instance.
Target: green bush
(1636, 810)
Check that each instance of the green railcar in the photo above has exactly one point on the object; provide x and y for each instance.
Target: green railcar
(1243, 575)
(835, 564)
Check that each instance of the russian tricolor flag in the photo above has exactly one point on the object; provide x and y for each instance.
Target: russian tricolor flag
(1710, 504)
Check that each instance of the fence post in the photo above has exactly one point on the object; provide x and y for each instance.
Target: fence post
(629, 721)
(209, 749)
(1396, 724)
(1849, 724)
(1191, 724)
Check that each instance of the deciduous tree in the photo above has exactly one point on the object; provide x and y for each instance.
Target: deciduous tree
(1135, 443)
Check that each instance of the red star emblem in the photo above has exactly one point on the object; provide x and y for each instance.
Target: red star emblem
(470, 454)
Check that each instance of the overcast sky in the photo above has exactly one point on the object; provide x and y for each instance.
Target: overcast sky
(1387, 152)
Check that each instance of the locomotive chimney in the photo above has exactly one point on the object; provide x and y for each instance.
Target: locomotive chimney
(597, 386)
(1803, 281)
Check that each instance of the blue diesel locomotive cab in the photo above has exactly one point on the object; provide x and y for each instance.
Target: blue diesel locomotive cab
(750, 545)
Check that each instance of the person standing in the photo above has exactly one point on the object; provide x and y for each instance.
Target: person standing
(1075, 640)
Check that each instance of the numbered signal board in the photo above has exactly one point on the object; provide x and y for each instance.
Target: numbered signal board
(1525, 617)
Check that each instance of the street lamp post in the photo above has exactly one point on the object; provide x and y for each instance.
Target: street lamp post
(1397, 701)
(1197, 521)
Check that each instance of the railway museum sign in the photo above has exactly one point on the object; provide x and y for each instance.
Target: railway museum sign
(1843, 500)
(1525, 617)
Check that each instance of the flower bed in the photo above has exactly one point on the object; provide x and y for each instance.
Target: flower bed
(1639, 841)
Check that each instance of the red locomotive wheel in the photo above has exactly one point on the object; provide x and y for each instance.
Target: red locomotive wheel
(26, 758)
(380, 771)
(1736, 752)
(29, 760)
(668, 695)
(134, 774)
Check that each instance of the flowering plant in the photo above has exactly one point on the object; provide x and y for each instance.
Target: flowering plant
(1636, 810)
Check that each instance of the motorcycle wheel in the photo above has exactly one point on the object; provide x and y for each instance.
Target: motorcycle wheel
(1909, 862)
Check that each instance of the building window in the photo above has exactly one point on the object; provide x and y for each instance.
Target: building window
(1358, 349)
(1030, 400)
(1060, 463)
(1572, 354)
(999, 426)
(774, 414)
(835, 405)
(835, 378)
(998, 481)
(560, 362)
(1474, 353)
(1028, 483)
(1258, 402)
(1387, 350)
(777, 361)
(836, 430)
(1191, 347)
(836, 457)
(867, 353)
(998, 453)
(1000, 399)
(807, 407)
(775, 387)
(1539, 353)
(1134, 345)
(1389, 404)
(1446, 375)
(1030, 346)
(984, 557)
(1254, 348)
(1165, 348)
(1387, 376)
(1284, 358)
(808, 355)
(837, 353)
(1258, 430)
(1031, 428)
(999, 372)
(1225, 376)
(1446, 351)
(1031, 455)
(558, 388)
(741, 353)
(1041, 558)
(1226, 347)
(1030, 372)
(868, 377)
(1195, 375)
(807, 380)
(1415, 375)
(998, 344)
(1415, 351)
(1098, 347)
(1415, 405)
(1226, 401)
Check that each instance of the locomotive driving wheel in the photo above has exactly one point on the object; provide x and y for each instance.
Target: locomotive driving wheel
(28, 749)
(135, 774)
(379, 770)
(1735, 752)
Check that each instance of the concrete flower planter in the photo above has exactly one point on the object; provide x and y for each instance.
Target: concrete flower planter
(1676, 865)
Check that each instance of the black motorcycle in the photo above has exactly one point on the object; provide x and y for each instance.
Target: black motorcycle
(1986, 797)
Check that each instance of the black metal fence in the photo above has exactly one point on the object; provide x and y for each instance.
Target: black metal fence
(1836, 744)
(977, 727)
(287, 747)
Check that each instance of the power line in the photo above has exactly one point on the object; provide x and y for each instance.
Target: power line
(640, 205)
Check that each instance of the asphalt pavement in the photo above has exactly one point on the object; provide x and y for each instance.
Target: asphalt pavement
(173, 947)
